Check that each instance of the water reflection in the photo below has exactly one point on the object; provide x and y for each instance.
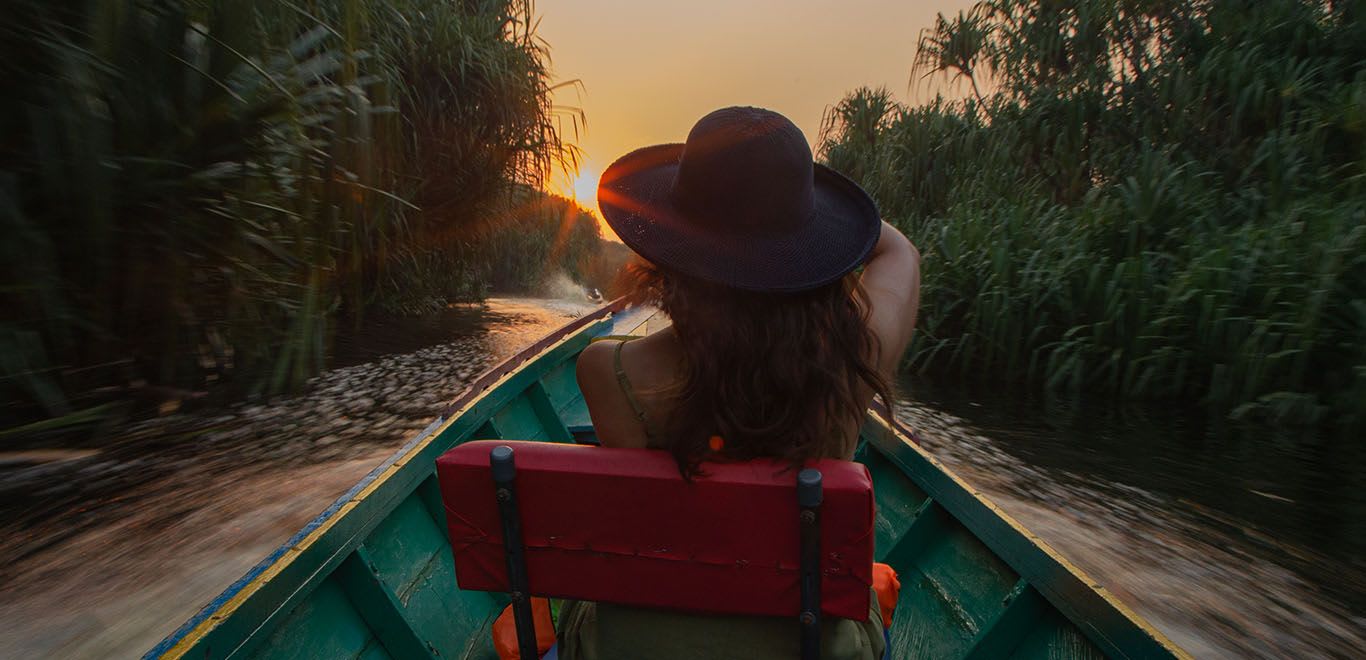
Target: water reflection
(107, 552)
(1238, 540)
(501, 326)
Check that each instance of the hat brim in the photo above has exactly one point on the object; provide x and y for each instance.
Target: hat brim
(844, 224)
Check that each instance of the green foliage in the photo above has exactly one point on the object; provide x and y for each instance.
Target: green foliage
(518, 249)
(1155, 199)
(537, 237)
(192, 191)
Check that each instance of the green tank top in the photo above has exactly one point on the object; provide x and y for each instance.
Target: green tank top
(605, 631)
(651, 439)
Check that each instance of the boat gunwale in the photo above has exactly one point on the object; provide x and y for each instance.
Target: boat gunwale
(230, 600)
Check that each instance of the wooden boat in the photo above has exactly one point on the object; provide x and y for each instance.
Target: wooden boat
(373, 575)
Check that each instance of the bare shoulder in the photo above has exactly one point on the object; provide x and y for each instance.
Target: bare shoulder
(594, 365)
(613, 420)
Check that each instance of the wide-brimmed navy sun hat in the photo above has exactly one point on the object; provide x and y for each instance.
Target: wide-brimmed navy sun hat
(742, 204)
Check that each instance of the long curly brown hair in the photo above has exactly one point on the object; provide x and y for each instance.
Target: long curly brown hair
(773, 374)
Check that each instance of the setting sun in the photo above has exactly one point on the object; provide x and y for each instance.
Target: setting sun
(583, 188)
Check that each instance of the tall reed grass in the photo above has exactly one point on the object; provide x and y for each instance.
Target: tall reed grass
(193, 192)
(1153, 200)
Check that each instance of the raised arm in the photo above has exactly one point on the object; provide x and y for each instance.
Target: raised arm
(891, 278)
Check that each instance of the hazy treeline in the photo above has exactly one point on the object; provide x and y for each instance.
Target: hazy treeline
(1158, 199)
(533, 236)
(193, 192)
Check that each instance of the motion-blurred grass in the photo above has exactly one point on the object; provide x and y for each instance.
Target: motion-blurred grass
(194, 192)
(1154, 199)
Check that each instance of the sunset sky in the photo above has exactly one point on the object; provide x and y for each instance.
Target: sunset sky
(650, 69)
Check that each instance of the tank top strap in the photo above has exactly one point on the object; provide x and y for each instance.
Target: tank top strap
(630, 393)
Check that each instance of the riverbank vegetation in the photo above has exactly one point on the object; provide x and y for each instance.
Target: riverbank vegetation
(194, 193)
(1157, 200)
(534, 237)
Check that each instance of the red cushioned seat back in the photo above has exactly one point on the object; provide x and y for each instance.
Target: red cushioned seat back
(621, 526)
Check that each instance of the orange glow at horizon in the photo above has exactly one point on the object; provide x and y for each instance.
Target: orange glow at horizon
(649, 70)
(585, 185)
(582, 187)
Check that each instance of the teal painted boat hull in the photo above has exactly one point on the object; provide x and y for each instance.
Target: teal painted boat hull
(373, 576)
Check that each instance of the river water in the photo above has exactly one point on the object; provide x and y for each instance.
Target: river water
(1234, 541)
(1237, 541)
